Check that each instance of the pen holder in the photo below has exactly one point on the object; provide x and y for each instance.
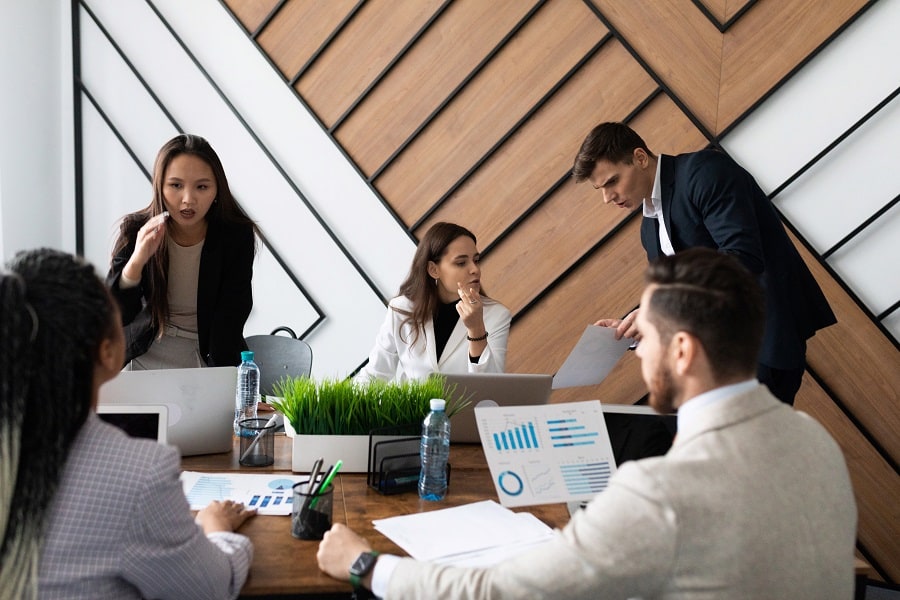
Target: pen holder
(257, 443)
(311, 512)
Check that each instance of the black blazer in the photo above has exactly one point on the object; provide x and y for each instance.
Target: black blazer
(224, 295)
(709, 200)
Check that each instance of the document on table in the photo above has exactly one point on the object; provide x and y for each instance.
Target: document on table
(592, 358)
(548, 453)
(477, 534)
(270, 494)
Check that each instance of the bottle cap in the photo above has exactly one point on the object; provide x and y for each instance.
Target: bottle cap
(247, 355)
(437, 404)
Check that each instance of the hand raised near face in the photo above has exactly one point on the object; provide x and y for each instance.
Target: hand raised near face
(470, 309)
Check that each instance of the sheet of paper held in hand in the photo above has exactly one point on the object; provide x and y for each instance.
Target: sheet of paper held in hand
(477, 534)
(271, 494)
(592, 358)
(546, 454)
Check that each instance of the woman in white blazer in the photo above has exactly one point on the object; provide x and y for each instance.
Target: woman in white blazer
(442, 321)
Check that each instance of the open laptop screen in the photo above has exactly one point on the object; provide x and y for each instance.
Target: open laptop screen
(141, 421)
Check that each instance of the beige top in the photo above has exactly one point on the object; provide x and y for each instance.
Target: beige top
(184, 272)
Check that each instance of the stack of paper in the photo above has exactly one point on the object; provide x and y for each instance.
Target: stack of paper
(478, 534)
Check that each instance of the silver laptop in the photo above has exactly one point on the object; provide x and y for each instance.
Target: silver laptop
(200, 403)
(150, 421)
(492, 389)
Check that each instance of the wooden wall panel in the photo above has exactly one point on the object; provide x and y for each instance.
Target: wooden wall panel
(549, 241)
(299, 29)
(251, 13)
(858, 363)
(532, 161)
(430, 71)
(749, 67)
(679, 44)
(552, 263)
(557, 37)
(361, 51)
(875, 484)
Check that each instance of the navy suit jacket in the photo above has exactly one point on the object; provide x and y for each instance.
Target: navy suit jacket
(709, 200)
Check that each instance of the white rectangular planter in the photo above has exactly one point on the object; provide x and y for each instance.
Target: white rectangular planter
(353, 450)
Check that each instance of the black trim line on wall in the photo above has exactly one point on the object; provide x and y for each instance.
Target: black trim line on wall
(723, 27)
(889, 311)
(387, 69)
(881, 211)
(512, 130)
(790, 74)
(78, 139)
(327, 42)
(555, 186)
(458, 89)
(650, 71)
(268, 19)
(337, 242)
(83, 88)
(264, 55)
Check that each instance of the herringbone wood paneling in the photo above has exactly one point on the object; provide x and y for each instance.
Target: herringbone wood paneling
(439, 146)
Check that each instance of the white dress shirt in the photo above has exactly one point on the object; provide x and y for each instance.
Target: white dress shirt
(653, 210)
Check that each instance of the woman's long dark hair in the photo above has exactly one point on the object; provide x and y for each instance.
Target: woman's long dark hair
(54, 313)
(224, 208)
(418, 287)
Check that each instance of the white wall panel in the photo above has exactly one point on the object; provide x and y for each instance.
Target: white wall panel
(849, 184)
(353, 310)
(821, 101)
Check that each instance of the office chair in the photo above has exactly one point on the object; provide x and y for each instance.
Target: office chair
(277, 356)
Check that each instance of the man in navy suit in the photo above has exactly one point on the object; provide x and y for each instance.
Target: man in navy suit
(706, 199)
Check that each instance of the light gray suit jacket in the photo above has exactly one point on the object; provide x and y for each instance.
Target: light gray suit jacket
(120, 527)
(752, 501)
(394, 358)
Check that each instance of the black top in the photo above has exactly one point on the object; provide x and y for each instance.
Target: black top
(444, 322)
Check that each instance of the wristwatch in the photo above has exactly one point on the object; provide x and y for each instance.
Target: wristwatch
(361, 567)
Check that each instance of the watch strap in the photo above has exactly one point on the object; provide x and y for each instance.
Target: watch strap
(356, 579)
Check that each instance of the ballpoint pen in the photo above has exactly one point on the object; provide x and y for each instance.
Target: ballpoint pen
(259, 434)
(325, 483)
(317, 466)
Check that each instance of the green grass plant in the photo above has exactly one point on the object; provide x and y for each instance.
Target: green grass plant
(345, 407)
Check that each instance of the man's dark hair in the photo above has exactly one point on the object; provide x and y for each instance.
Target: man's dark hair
(615, 142)
(716, 299)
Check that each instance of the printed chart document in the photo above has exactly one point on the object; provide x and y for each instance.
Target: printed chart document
(477, 534)
(546, 454)
(592, 358)
(271, 494)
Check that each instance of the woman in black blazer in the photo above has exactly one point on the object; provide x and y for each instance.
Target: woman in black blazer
(182, 267)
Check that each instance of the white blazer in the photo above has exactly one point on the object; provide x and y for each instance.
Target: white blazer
(393, 358)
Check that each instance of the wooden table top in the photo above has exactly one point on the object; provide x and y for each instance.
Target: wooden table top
(283, 564)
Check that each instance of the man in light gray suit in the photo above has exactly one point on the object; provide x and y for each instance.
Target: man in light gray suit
(752, 501)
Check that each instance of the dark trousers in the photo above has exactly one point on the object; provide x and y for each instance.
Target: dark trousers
(783, 383)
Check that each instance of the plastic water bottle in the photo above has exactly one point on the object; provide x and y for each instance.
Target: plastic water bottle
(435, 453)
(246, 397)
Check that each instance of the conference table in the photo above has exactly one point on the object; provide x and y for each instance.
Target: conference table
(285, 566)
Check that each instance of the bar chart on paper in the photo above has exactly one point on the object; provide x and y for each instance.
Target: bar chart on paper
(545, 454)
(268, 494)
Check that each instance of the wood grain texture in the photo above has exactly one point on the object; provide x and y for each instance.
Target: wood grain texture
(681, 46)
(251, 13)
(359, 53)
(858, 363)
(425, 77)
(875, 484)
(718, 8)
(574, 218)
(556, 38)
(750, 67)
(299, 29)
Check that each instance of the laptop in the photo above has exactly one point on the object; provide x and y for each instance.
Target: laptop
(149, 421)
(200, 403)
(492, 389)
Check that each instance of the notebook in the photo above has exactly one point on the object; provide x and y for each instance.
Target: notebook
(200, 403)
(492, 389)
(138, 420)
